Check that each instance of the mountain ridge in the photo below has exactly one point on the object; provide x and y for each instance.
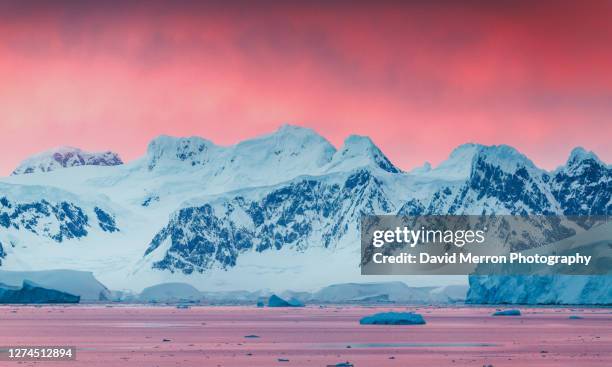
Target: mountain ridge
(65, 156)
(191, 149)
(219, 216)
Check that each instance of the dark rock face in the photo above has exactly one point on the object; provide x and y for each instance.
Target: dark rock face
(490, 189)
(584, 187)
(2, 253)
(412, 207)
(287, 216)
(106, 221)
(58, 221)
(66, 157)
(33, 294)
(103, 159)
(149, 200)
(509, 189)
(384, 163)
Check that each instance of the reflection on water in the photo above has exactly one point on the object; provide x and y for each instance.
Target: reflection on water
(419, 345)
(139, 325)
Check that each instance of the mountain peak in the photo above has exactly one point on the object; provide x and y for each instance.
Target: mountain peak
(505, 156)
(355, 139)
(289, 144)
(360, 151)
(285, 153)
(166, 148)
(289, 135)
(457, 166)
(294, 130)
(580, 154)
(460, 162)
(64, 157)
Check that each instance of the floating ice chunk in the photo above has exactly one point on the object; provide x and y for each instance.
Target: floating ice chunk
(507, 313)
(393, 318)
(276, 301)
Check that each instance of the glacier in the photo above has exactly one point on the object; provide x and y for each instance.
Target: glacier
(541, 289)
(267, 211)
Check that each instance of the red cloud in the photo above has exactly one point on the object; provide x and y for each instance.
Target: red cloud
(419, 79)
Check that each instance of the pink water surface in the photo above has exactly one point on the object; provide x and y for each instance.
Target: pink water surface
(215, 336)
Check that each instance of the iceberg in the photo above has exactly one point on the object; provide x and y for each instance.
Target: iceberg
(31, 293)
(170, 293)
(276, 301)
(507, 313)
(384, 292)
(543, 290)
(235, 297)
(546, 288)
(78, 283)
(393, 318)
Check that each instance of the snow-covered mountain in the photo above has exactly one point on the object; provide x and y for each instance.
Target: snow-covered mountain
(487, 180)
(279, 211)
(63, 157)
(299, 214)
(583, 185)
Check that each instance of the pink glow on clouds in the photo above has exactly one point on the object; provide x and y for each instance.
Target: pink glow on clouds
(418, 79)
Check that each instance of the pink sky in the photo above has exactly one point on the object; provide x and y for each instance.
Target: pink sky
(419, 79)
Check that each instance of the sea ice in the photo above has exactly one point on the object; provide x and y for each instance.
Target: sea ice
(393, 318)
